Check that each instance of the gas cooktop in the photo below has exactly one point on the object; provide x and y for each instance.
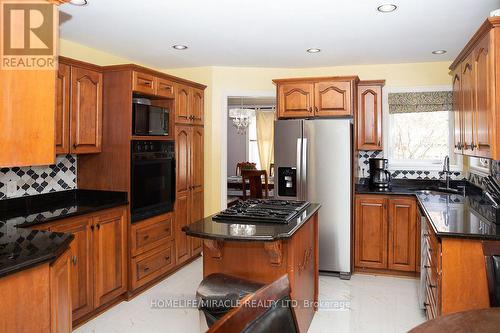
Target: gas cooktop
(262, 210)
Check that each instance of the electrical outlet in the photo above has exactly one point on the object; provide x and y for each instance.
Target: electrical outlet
(11, 187)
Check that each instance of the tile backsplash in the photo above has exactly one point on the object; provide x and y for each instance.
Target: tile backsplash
(40, 179)
(364, 168)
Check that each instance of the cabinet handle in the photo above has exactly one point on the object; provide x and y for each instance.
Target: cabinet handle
(146, 83)
(379, 143)
(310, 109)
(74, 145)
(92, 227)
(167, 229)
(167, 258)
(432, 286)
(146, 237)
(427, 266)
(473, 146)
(74, 260)
(146, 269)
(98, 226)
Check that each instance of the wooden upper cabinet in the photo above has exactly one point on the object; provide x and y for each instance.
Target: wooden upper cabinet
(467, 70)
(295, 100)
(63, 104)
(402, 230)
(316, 97)
(477, 95)
(370, 230)
(457, 112)
(183, 160)
(165, 88)
(110, 255)
(86, 110)
(81, 268)
(332, 98)
(484, 122)
(182, 105)
(143, 83)
(197, 106)
(369, 117)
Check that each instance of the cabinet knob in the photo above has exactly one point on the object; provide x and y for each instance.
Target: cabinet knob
(379, 143)
(167, 258)
(146, 237)
(74, 260)
(98, 226)
(473, 146)
(92, 227)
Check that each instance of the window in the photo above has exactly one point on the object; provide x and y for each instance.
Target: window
(419, 138)
(253, 148)
(419, 129)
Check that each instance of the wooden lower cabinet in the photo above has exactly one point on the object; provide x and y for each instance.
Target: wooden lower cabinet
(97, 257)
(38, 299)
(110, 256)
(60, 295)
(82, 268)
(152, 250)
(454, 268)
(402, 234)
(386, 234)
(371, 232)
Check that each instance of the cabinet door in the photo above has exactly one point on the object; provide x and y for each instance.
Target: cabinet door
(196, 184)
(458, 111)
(483, 131)
(295, 100)
(371, 232)
(182, 202)
(60, 295)
(82, 272)
(197, 105)
(332, 99)
(110, 255)
(402, 229)
(370, 117)
(86, 111)
(63, 87)
(468, 104)
(182, 105)
(182, 216)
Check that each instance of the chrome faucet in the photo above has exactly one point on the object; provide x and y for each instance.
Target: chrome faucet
(446, 171)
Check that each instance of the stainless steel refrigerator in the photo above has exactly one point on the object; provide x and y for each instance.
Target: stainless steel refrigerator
(313, 162)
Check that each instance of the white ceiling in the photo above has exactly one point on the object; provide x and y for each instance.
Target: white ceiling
(275, 33)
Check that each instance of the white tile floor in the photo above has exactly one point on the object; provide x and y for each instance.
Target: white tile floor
(375, 304)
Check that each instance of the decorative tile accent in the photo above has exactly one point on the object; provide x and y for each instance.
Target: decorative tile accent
(40, 179)
(364, 168)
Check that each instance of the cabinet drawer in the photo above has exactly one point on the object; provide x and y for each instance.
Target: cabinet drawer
(152, 264)
(164, 88)
(144, 83)
(151, 233)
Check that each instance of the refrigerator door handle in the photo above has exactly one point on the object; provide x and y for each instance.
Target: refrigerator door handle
(299, 169)
(303, 171)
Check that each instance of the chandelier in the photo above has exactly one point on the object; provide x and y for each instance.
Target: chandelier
(241, 118)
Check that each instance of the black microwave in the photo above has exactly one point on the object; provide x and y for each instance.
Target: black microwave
(148, 119)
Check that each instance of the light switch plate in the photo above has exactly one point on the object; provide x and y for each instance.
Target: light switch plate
(11, 187)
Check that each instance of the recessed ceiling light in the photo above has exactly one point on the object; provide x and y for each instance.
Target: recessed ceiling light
(180, 47)
(79, 2)
(439, 52)
(387, 8)
(313, 50)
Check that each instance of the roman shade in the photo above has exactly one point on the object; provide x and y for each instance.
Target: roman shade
(411, 102)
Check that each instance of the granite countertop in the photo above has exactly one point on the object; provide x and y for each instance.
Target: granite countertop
(22, 247)
(451, 215)
(261, 232)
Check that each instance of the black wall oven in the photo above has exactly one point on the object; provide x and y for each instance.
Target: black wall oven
(152, 178)
(148, 119)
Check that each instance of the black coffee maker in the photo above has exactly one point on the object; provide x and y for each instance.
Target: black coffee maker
(380, 178)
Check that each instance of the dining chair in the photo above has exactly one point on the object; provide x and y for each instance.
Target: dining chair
(268, 310)
(245, 166)
(491, 251)
(257, 189)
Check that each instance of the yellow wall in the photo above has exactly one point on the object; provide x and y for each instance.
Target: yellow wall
(224, 81)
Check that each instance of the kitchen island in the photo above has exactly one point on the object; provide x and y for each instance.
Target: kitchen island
(263, 252)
